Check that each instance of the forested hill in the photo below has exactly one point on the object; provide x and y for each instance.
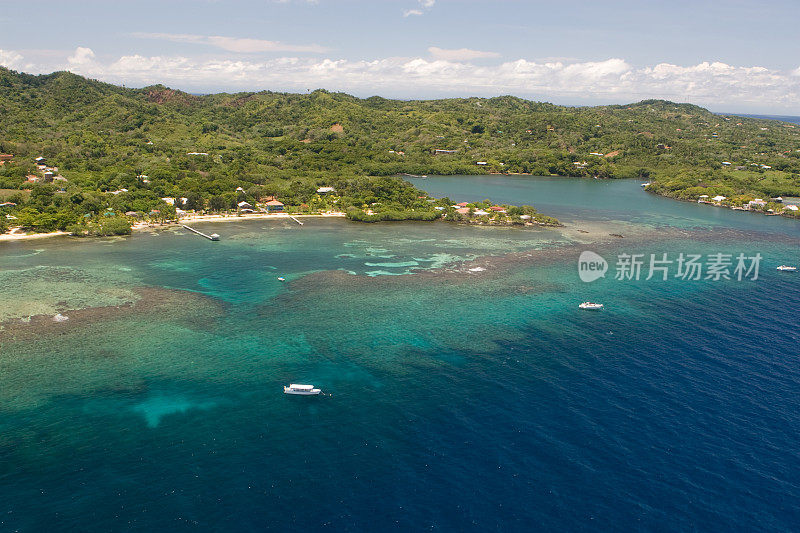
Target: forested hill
(102, 137)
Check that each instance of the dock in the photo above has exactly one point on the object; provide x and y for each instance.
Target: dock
(290, 216)
(212, 237)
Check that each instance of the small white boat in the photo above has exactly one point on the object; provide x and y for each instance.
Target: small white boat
(591, 306)
(303, 390)
(281, 279)
(785, 268)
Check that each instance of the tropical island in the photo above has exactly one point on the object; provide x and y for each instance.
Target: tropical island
(89, 157)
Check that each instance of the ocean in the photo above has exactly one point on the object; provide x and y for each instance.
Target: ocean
(465, 390)
(783, 118)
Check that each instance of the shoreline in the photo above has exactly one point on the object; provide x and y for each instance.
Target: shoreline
(26, 236)
(140, 226)
(783, 213)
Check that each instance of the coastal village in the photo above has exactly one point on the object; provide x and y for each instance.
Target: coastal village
(200, 182)
(174, 210)
(182, 210)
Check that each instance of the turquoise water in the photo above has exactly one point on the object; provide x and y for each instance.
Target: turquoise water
(585, 200)
(466, 390)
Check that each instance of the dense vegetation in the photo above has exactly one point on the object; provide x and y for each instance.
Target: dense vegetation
(147, 144)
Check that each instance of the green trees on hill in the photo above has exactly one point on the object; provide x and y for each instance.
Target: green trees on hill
(157, 142)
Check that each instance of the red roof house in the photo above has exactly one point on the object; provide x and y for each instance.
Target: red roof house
(274, 205)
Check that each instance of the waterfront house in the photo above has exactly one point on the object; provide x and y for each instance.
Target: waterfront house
(480, 213)
(754, 204)
(463, 210)
(274, 205)
(792, 207)
(719, 198)
(244, 205)
(498, 209)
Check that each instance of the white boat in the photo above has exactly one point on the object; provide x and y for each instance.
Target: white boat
(281, 279)
(303, 390)
(785, 268)
(591, 306)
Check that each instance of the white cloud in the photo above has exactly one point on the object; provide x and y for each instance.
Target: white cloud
(423, 4)
(82, 56)
(461, 54)
(712, 84)
(233, 44)
(10, 59)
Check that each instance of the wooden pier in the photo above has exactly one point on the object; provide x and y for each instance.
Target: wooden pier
(212, 237)
(290, 216)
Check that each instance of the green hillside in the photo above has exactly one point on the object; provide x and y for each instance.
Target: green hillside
(104, 138)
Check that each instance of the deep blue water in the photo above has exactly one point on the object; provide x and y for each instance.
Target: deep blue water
(459, 401)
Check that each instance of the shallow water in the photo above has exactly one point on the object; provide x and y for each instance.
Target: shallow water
(459, 399)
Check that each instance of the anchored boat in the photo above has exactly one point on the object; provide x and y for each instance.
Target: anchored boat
(785, 268)
(591, 306)
(302, 390)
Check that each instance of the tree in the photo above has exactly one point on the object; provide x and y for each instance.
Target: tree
(218, 203)
(194, 201)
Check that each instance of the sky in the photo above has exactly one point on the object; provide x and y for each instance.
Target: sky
(726, 55)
